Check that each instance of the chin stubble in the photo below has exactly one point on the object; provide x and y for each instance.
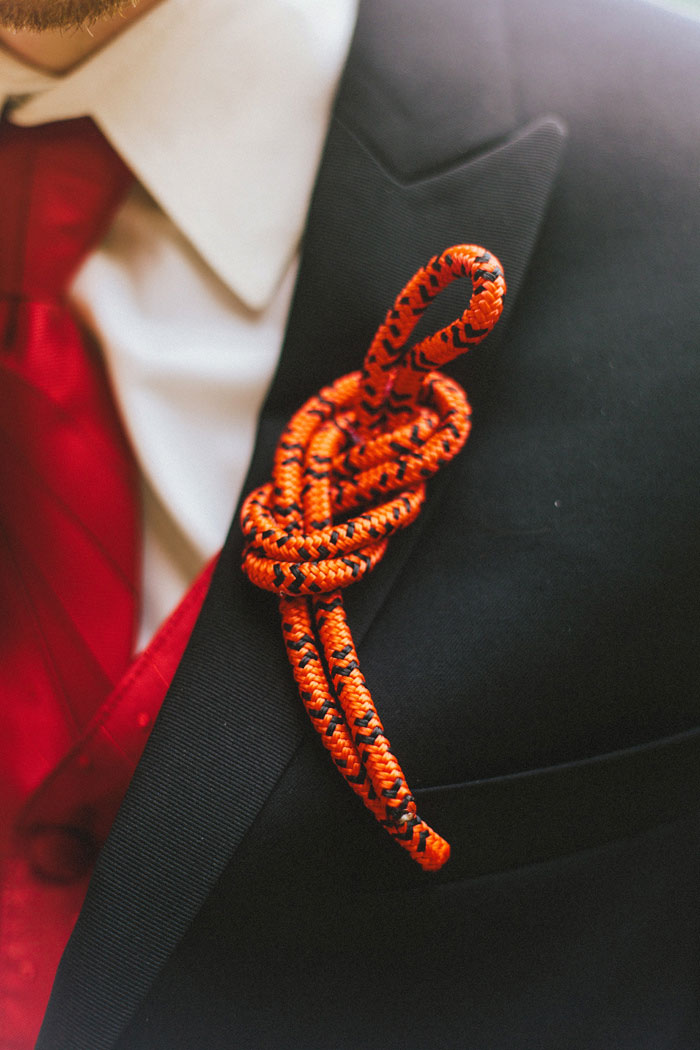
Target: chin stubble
(39, 15)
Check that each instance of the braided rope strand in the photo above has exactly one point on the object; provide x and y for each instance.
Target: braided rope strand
(350, 469)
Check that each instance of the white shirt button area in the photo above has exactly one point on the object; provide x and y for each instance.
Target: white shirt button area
(190, 365)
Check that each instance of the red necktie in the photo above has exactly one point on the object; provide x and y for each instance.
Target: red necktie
(68, 509)
(75, 713)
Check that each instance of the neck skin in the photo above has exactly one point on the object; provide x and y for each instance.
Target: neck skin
(57, 51)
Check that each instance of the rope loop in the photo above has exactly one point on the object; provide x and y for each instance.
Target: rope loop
(350, 470)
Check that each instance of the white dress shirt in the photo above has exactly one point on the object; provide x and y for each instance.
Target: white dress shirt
(220, 109)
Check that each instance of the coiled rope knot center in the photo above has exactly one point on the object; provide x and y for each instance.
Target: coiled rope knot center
(300, 536)
(350, 469)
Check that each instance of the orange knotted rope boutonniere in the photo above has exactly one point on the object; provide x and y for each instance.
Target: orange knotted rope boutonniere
(350, 469)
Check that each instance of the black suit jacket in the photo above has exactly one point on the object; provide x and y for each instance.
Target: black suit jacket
(532, 642)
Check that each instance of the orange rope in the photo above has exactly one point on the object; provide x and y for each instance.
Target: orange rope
(320, 523)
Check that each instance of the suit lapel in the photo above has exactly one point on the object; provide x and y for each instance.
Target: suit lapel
(232, 722)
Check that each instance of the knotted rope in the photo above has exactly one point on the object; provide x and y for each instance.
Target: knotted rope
(350, 469)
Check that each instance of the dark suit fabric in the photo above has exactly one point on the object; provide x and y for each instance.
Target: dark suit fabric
(532, 642)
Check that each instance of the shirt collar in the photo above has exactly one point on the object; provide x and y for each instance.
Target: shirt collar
(220, 108)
